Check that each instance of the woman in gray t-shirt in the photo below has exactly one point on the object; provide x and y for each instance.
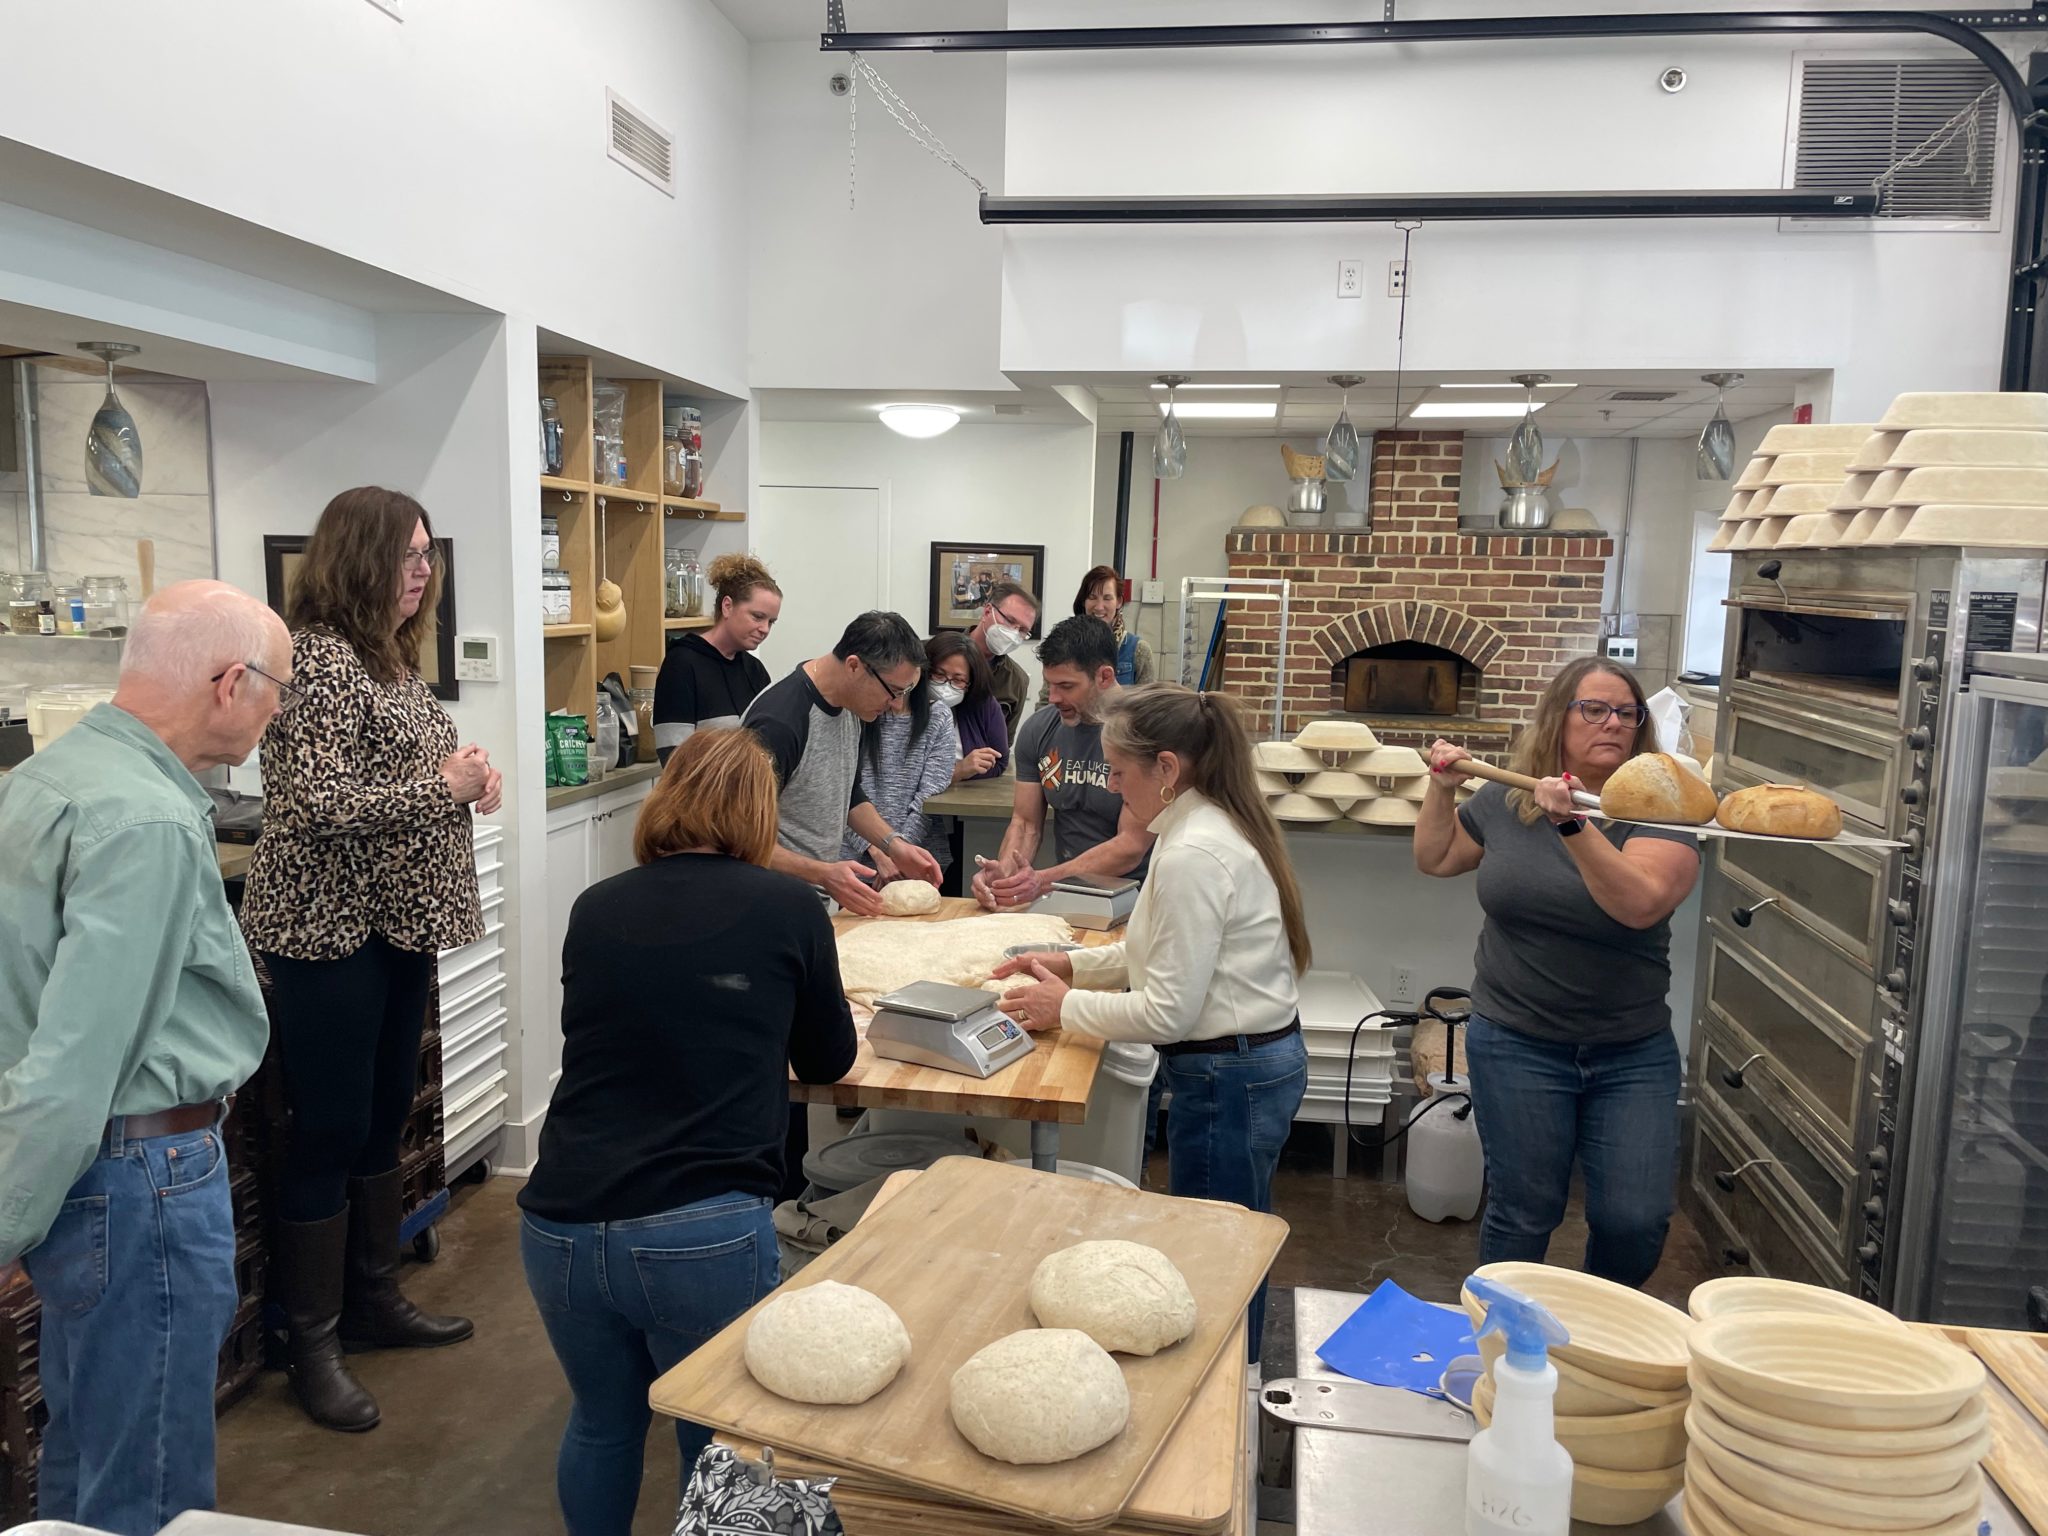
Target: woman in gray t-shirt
(1570, 1044)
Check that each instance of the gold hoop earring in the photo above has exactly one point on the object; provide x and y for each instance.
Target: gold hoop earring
(1166, 795)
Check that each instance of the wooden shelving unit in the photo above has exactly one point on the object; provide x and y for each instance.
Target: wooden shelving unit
(610, 532)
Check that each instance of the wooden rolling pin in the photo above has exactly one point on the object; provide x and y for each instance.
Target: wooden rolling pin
(1583, 798)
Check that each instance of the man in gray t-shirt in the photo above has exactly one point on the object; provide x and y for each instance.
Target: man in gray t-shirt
(1060, 767)
(810, 723)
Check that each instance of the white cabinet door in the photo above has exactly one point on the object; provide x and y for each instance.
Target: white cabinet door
(611, 842)
(568, 855)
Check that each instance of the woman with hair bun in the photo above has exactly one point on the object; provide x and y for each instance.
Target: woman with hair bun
(709, 677)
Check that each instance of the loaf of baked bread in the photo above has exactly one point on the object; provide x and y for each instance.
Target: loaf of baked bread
(1780, 810)
(1656, 786)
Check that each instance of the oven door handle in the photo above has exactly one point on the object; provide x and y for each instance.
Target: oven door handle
(1725, 1181)
(1733, 1077)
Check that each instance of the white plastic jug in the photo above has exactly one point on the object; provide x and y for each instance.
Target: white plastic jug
(1446, 1167)
(54, 710)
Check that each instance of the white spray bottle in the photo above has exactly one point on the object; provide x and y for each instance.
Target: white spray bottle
(1518, 1479)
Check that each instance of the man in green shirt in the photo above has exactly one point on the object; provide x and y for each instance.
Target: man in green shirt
(128, 1013)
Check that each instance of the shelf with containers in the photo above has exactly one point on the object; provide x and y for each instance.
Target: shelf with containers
(612, 513)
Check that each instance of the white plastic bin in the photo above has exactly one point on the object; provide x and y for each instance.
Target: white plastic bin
(1090, 1171)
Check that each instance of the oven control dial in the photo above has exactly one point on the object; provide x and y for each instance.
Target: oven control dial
(1900, 911)
(1912, 839)
(1927, 668)
(1895, 983)
(1868, 1252)
(1878, 1159)
(1919, 738)
(1874, 1209)
(1914, 793)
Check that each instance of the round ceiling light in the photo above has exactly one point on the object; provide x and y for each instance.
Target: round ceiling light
(920, 420)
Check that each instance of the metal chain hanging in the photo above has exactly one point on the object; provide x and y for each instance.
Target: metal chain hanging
(1966, 124)
(906, 118)
(1407, 228)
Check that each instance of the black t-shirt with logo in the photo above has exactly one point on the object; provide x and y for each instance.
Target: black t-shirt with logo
(1068, 763)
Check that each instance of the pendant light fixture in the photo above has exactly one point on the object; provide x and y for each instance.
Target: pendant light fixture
(113, 448)
(1717, 439)
(1340, 449)
(1525, 448)
(1170, 448)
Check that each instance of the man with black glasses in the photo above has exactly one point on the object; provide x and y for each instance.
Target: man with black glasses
(810, 722)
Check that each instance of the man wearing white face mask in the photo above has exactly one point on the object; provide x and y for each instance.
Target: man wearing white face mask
(1007, 617)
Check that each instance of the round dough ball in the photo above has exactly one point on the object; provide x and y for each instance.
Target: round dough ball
(1125, 1296)
(909, 898)
(827, 1343)
(1041, 1395)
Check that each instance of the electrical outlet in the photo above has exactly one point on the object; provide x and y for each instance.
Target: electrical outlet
(1151, 592)
(1404, 985)
(1622, 648)
(1397, 279)
(1350, 279)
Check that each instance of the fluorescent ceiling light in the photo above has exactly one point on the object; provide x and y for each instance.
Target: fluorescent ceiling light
(1224, 410)
(1490, 410)
(1221, 386)
(920, 420)
(1496, 386)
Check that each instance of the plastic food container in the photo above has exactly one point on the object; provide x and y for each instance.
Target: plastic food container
(54, 710)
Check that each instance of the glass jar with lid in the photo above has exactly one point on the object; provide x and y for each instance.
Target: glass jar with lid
(556, 604)
(106, 605)
(673, 453)
(551, 444)
(690, 585)
(25, 598)
(672, 585)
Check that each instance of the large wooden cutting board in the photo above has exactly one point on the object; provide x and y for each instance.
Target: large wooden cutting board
(953, 1255)
(2017, 1398)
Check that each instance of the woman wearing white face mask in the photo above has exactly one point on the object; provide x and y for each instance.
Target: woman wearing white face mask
(907, 756)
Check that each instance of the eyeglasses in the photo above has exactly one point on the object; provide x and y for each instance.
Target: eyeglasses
(1022, 626)
(876, 673)
(289, 695)
(420, 559)
(1596, 711)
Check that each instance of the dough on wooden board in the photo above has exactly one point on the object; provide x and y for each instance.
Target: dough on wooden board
(880, 957)
(1042, 1395)
(1127, 1297)
(827, 1343)
(909, 898)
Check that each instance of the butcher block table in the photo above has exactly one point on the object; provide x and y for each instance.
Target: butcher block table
(1049, 1088)
(1195, 1480)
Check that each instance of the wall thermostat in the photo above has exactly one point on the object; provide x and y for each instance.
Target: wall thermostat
(476, 658)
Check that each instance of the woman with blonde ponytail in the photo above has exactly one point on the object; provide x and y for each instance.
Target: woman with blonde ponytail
(1208, 967)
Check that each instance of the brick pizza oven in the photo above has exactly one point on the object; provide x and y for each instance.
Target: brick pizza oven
(1417, 628)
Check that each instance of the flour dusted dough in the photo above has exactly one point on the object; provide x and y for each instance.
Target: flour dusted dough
(880, 957)
(909, 898)
(1042, 1395)
(1127, 1297)
(827, 1343)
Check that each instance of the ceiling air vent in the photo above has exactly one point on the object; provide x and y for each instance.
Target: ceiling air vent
(641, 145)
(1642, 396)
(1924, 133)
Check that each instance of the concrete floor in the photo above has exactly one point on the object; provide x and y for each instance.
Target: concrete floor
(469, 1434)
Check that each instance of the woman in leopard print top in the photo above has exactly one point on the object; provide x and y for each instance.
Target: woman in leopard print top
(364, 871)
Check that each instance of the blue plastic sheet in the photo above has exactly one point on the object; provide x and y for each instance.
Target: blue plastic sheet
(1395, 1340)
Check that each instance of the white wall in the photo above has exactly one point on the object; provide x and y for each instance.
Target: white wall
(1886, 312)
(463, 148)
(901, 290)
(436, 425)
(1010, 484)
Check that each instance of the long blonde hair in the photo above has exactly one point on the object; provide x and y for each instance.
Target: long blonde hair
(1203, 730)
(1539, 750)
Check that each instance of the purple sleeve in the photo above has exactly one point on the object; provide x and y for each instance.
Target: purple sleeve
(984, 728)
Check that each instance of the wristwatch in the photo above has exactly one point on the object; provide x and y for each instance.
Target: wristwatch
(1570, 828)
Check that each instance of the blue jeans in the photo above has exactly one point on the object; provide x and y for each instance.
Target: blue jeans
(623, 1302)
(1232, 1110)
(1612, 1108)
(137, 1280)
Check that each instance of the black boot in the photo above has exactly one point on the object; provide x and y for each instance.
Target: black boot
(309, 1262)
(374, 1312)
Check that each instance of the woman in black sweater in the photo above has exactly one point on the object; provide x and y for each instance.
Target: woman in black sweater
(691, 987)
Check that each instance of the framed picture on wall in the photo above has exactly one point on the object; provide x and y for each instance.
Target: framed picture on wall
(282, 554)
(963, 573)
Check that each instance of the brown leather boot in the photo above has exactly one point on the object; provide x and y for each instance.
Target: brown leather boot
(374, 1312)
(309, 1264)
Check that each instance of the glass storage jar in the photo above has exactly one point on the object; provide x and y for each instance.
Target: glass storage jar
(551, 457)
(690, 585)
(672, 585)
(25, 599)
(106, 605)
(556, 606)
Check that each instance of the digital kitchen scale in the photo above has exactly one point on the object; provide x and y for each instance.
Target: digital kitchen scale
(956, 1029)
